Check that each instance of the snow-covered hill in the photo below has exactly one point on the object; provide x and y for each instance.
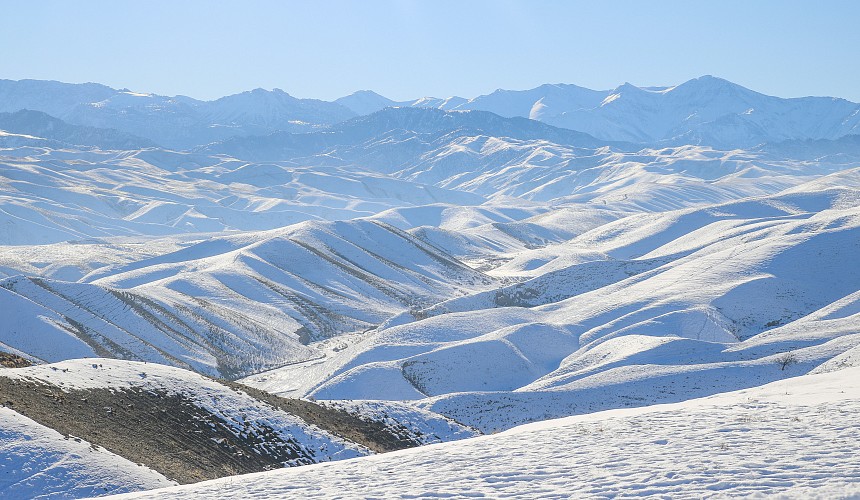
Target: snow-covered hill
(39, 462)
(181, 424)
(394, 158)
(645, 309)
(795, 438)
(234, 305)
(53, 195)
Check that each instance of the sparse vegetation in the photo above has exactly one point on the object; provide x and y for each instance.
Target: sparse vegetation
(8, 360)
(786, 359)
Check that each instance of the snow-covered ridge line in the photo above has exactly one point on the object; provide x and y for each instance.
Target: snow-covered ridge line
(705, 110)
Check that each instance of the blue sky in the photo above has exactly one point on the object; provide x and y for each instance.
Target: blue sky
(406, 49)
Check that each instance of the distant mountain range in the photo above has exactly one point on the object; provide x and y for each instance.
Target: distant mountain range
(392, 134)
(175, 122)
(37, 124)
(703, 111)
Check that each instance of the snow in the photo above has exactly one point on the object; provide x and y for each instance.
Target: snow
(461, 272)
(38, 462)
(641, 310)
(236, 408)
(795, 438)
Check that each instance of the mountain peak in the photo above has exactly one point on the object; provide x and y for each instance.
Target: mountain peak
(366, 93)
(709, 82)
(363, 102)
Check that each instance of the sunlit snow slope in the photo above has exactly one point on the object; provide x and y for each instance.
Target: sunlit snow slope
(648, 308)
(39, 462)
(795, 437)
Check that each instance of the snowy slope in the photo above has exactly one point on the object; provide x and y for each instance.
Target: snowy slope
(233, 305)
(649, 308)
(39, 462)
(241, 412)
(50, 195)
(795, 437)
(183, 425)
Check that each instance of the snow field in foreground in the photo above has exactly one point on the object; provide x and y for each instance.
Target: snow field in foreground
(38, 462)
(795, 437)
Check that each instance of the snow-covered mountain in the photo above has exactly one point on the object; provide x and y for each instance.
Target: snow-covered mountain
(365, 102)
(703, 111)
(539, 103)
(707, 110)
(44, 126)
(177, 122)
(271, 110)
(492, 262)
(711, 111)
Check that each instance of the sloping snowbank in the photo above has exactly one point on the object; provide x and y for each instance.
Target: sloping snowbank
(795, 437)
(38, 462)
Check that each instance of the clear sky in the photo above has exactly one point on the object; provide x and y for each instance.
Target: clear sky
(407, 49)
